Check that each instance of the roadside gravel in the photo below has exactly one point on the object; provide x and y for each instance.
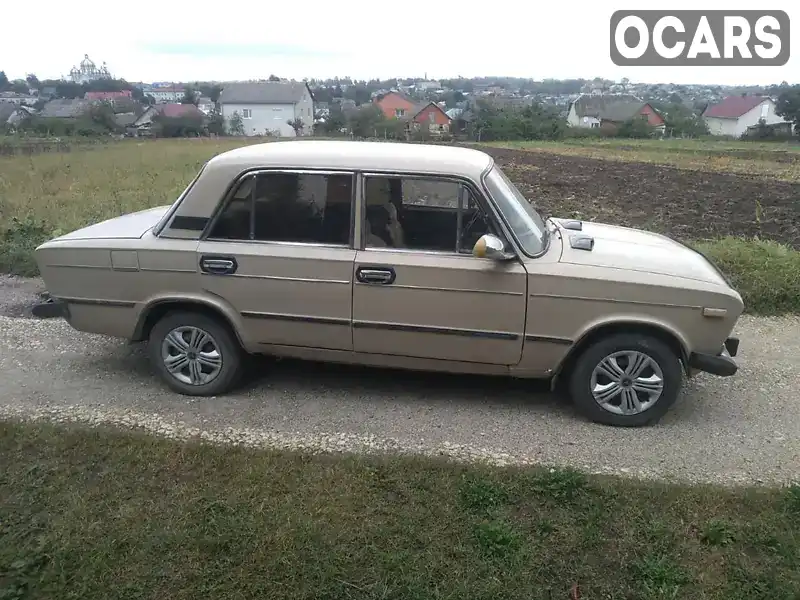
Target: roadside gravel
(744, 429)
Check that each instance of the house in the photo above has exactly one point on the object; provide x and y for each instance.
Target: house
(510, 102)
(110, 96)
(428, 85)
(11, 114)
(735, 114)
(611, 110)
(65, 108)
(430, 116)
(164, 92)
(269, 106)
(15, 98)
(395, 105)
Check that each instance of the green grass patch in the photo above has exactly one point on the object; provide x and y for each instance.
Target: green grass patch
(766, 273)
(97, 513)
(44, 194)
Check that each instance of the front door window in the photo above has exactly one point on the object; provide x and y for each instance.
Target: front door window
(426, 214)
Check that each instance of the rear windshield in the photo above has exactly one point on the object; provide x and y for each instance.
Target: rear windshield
(168, 215)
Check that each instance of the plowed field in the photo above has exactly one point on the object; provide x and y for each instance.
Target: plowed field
(686, 204)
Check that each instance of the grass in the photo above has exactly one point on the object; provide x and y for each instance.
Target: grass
(44, 195)
(765, 273)
(103, 514)
(48, 194)
(776, 160)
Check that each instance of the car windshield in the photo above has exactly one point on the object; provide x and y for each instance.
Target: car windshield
(527, 225)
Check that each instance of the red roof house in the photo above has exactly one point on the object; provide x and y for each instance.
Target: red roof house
(418, 115)
(395, 105)
(430, 116)
(108, 95)
(735, 114)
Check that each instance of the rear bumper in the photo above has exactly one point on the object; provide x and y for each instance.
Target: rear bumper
(50, 308)
(721, 364)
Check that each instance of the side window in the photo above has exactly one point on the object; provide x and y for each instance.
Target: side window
(422, 214)
(289, 207)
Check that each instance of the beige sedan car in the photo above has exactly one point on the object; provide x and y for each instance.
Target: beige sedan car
(395, 255)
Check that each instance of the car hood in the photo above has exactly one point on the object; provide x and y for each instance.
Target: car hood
(130, 226)
(630, 249)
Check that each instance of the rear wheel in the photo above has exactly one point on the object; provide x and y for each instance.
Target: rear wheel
(195, 355)
(626, 380)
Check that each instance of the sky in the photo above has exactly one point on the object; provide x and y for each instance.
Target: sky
(246, 39)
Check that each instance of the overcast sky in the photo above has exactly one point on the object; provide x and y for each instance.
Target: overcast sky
(247, 39)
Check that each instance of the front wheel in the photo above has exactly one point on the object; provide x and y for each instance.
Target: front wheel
(626, 380)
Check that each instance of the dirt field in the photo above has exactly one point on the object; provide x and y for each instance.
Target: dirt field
(687, 204)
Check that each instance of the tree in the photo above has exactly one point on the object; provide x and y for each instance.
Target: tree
(236, 124)
(333, 123)
(635, 128)
(213, 93)
(535, 122)
(365, 121)
(68, 89)
(680, 120)
(185, 126)
(33, 81)
(101, 115)
(189, 96)
(20, 86)
(788, 106)
(4, 83)
(296, 124)
(216, 123)
(274, 78)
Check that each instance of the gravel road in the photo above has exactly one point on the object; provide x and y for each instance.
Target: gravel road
(744, 429)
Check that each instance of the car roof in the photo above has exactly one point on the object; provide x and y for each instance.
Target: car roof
(358, 155)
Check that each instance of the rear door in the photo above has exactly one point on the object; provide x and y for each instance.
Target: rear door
(281, 253)
(418, 291)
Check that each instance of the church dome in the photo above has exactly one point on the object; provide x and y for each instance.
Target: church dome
(87, 63)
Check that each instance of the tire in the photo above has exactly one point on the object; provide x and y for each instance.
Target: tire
(665, 366)
(222, 348)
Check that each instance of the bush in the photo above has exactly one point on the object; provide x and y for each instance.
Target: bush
(766, 273)
(18, 240)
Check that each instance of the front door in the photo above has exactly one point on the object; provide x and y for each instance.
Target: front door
(280, 252)
(418, 291)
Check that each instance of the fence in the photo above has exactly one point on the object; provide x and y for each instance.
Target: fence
(28, 147)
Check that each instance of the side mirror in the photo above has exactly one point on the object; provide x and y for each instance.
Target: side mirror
(491, 246)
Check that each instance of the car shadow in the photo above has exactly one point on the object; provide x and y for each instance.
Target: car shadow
(370, 382)
(374, 387)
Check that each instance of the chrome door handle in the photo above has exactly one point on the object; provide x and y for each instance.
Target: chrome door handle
(381, 275)
(218, 265)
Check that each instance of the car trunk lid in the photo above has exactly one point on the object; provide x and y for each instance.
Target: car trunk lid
(130, 226)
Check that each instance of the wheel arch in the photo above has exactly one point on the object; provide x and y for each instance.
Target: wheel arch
(599, 331)
(158, 308)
